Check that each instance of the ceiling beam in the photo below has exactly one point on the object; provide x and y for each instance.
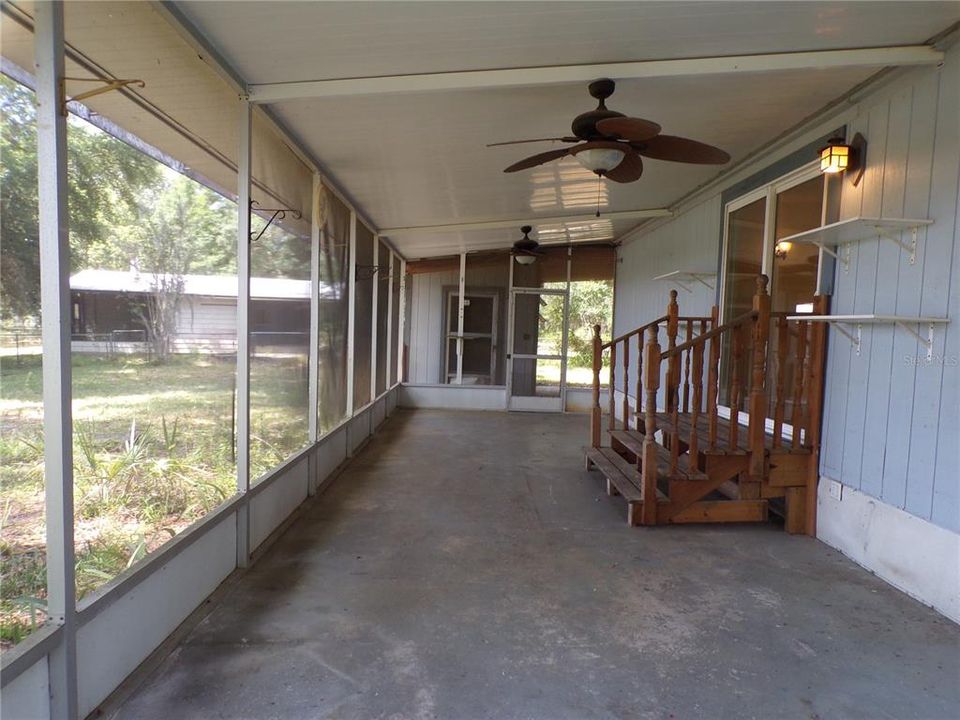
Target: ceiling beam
(517, 222)
(529, 76)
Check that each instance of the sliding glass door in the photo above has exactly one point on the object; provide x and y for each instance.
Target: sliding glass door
(755, 225)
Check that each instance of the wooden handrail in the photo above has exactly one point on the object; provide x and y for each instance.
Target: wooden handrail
(739, 320)
(627, 336)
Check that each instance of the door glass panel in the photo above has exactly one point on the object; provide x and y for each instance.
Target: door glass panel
(538, 326)
(744, 263)
(744, 258)
(479, 339)
(794, 276)
(794, 280)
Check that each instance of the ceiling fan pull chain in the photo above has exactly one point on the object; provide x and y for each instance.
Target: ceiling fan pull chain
(599, 181)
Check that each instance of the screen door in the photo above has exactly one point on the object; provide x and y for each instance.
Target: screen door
(536, 356)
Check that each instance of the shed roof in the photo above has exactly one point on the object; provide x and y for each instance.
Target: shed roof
(202, 285)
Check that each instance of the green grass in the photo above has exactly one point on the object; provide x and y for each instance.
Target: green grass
(548, 373)
(153, 452)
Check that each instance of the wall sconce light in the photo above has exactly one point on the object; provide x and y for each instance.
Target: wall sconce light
(837, 157)
(781, 249)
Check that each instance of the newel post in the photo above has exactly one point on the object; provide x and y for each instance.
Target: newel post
(673, 373)
(758, 394)
(651, 383)
(818, 349)
(595, 413)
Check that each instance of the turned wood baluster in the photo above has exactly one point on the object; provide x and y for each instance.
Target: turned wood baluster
(783, 349)
(703, 331)
(799, 382)
(693, 445)
(595, 412)
(736, 352)
(673, 369)
(758, 392)
(649, 462)
(673, 390)
(626, 383)
(612, 400)
(639, 391)
(713, 379)
(686, 369)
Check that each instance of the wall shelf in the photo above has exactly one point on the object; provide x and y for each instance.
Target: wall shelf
(858, 321)
(857, 229)
(682, 276)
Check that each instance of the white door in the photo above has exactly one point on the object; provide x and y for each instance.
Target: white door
(537, 350)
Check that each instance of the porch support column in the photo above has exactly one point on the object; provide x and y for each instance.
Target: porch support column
(375, 273)
(460, 305)
(351, 308)
(312, 369)
(57, 391)
(313, 353)
(243, 332)
(389, 348)
(402, 324)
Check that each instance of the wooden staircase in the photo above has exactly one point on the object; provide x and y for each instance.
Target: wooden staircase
(676, 454)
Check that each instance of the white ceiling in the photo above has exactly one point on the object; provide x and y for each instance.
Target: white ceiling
(411, 159)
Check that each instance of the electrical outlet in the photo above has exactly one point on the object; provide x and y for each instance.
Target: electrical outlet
(836, 490)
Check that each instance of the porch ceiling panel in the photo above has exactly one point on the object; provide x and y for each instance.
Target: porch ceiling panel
(426, 245)
(420, 159)
(415, 159)
(291, 41)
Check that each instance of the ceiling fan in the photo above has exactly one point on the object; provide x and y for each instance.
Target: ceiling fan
(610, 144)
(526, 250)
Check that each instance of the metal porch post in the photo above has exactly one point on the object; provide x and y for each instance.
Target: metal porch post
(57, 377)
(351, 308)
(243, 332)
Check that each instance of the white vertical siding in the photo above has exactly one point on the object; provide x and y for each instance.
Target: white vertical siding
(426, 325)
(889, 415)
(891, 420)
(688, 243)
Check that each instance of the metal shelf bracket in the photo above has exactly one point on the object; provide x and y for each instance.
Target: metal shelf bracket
(928, 340)
(854, 337)
(894, 236)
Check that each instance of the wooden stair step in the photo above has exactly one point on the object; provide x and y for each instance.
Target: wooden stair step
(632, 440)
(685, 425)
(619, 471)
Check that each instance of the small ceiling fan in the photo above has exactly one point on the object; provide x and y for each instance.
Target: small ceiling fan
(610, 144)
(526, 250)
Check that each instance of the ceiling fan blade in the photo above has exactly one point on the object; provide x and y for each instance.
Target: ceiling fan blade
(629, 128)
(629, 169)
(519, 142)
(678, 149)
(538, 159)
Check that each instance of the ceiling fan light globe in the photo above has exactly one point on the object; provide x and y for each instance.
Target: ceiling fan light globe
(525, 259)
(600, 160)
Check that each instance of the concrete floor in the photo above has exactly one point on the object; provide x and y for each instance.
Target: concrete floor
(466, 566)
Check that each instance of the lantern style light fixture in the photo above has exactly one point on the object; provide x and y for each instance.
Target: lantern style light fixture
(837, 157)
(834, 156)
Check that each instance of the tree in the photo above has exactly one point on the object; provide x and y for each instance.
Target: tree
(591, 303)
(105, 179)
